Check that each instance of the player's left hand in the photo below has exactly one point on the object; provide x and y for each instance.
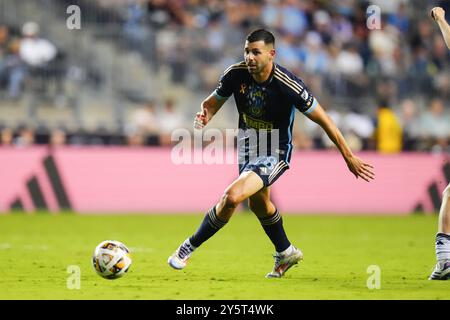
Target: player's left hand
(360, 169)
(438, 14)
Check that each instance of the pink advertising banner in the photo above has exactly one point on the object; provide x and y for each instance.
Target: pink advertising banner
(148, 180)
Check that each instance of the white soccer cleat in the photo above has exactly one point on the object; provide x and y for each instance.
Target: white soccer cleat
(178, 260)
(441, 271)
(283, 262)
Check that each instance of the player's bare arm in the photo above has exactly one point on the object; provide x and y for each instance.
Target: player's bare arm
(438, 14)
(356, 165)
(209, 106)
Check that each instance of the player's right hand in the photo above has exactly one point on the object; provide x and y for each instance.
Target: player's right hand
(360, 169)
(201, 119)
(437, 13)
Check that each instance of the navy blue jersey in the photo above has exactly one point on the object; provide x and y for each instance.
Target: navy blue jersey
(268, 105)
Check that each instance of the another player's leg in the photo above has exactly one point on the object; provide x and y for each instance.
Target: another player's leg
(246, 185)
(442, 269)
(286, 254)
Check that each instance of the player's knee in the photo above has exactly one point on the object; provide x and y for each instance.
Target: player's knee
(231, 199)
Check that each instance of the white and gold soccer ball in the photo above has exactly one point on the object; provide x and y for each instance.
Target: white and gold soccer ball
(111, 259)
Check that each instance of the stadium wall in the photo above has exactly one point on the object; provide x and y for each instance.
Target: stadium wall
(146, 180)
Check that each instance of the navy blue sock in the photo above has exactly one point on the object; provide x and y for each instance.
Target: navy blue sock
(273, 226)
(210, 225)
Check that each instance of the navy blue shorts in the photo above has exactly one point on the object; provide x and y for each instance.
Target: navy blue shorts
(268, 168)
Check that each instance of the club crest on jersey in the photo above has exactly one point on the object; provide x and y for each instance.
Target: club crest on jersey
(256, 99)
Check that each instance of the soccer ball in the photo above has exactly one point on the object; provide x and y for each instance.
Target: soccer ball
(111, 259)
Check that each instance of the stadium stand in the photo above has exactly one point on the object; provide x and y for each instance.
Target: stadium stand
(129, 53)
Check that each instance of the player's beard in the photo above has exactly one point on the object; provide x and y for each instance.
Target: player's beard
(255, 68)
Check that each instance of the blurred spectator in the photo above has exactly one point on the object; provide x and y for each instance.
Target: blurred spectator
(57, 137)
(383, 43)
(292, 18)
(6, 137)
(13, 70)
(400, 18)
(342, 28)
(322, 25)
(25, 138)
(350, 66)
(134, 28)
(162, 13)
(31, 55)
(435, 124)
(142, 124)
(358, 128)
(410, 124)
(143, 119)
(349, 62)
(441, 62)
(421, 35)
(315, 57)
(35, 51)
(169, 119)
(288, 55)
(388, 130)
(271, 14)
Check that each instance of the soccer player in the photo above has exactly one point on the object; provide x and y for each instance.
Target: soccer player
(442, 269)
(266, 95)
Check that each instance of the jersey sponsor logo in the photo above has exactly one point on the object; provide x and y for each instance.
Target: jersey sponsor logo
(256, 123)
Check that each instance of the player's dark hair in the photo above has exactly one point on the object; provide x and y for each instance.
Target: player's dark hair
(261, 34)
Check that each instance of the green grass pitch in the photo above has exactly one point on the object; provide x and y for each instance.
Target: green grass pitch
(36, 251)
